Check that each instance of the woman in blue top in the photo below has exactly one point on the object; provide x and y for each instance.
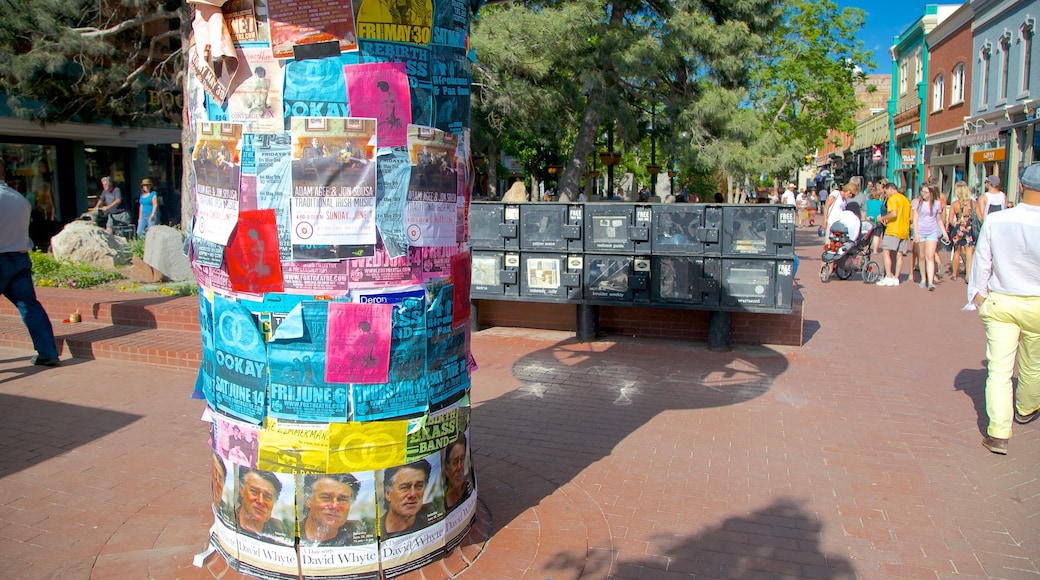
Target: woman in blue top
(149, 206)
(874, 206)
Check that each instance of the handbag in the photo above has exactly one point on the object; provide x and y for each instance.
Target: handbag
(976, 223)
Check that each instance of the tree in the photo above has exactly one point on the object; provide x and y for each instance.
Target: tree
(580, 64)
(745, 87)
(89, 60)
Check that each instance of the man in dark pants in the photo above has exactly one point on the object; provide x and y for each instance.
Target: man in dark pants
(16, 272)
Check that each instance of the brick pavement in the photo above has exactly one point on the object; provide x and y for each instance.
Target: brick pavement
(855, 456)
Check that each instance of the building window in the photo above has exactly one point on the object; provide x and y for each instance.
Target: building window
(984, 54)
(957, 84)
(918, 68)
(938, 92)
(1027, 52)
(902, 77)
(1005, 63)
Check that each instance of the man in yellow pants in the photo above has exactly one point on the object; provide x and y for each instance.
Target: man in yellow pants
(1005, 286)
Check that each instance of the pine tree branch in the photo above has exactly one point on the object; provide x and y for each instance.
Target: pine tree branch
(92, 32)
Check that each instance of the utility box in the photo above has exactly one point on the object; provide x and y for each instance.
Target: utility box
(757, 285)
(617, 279)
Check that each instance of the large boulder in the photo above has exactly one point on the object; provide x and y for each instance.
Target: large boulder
(517, 193)
(164, 251)
(84, 242)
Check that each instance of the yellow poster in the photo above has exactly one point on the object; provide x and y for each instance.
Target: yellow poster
(408, 21)
(366, 446)
(288, 447)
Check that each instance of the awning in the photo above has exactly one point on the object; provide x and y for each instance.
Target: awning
(1020, 124)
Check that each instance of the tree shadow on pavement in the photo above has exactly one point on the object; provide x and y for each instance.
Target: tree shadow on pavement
(577, 401)
(782, 540)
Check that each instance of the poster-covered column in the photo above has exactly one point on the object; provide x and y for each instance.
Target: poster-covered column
(330, 168)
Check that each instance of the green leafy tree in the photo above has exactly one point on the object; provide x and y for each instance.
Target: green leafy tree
(89, 60)
(585, 64)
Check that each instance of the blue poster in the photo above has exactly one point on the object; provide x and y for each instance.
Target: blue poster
(406, 392)
(394, 170)
(446, 349)
(207, 368)
(317, 87)
(298, 388)
(240, 385)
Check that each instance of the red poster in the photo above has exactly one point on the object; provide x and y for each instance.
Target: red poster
(252, 256)
(310, 22)
(358, 346)
(460, 276)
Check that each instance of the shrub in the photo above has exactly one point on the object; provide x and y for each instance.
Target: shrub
(50, 271)
(137, 247)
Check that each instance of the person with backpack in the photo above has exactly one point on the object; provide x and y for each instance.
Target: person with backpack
(994, 199)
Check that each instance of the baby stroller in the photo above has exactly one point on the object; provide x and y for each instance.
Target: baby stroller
(849, 256)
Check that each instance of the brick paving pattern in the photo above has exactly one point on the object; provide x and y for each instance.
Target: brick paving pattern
(857, 455)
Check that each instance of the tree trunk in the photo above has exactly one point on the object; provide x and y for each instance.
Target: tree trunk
(492, 174)
(187, 135)
(583, 147)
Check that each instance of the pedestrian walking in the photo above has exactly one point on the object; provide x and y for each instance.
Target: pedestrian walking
(16, 272)
(897, 232)
(929, 228)
(1005, 286)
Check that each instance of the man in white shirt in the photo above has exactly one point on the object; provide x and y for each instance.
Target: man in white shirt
(788, 195)
(16, 272)
(1005, 286)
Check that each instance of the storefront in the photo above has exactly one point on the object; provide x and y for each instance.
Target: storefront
(909, 155)
(987, 154)
(58, 167)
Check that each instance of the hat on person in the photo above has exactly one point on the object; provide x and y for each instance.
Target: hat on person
(146, 181)
(1031, 177)
(993, 180)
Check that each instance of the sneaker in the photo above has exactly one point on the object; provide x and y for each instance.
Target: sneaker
(884, 282)
(922, 284)
(44, 361)
(894, 282)
(931, 288)
(995, 444)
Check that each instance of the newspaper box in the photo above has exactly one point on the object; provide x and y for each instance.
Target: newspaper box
(551, 227)
(612, 227)
(617, 279)
(494, 225)
(757, 285)
(550, 277)
(686, 229)
(760, 231)
(685, 280)
(495, 274)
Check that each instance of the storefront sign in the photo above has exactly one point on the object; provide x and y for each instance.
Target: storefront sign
(987, 155)
(983, 136)
(909, 156)
(904, 130)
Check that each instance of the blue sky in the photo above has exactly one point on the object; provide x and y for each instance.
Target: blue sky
(885, 20)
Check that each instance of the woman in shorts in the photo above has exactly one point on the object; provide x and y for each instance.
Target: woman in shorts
(929, 228)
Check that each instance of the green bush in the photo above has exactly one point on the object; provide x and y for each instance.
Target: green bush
(137, 247)
(50, 271)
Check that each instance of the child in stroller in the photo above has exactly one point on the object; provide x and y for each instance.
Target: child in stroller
(848, 248)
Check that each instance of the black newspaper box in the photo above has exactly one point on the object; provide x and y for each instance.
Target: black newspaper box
(757, 285)
(686, 280)
(614, 279)
(551, 227)
(760, 231)
(551, 277)
(495, 274)
(686, 229)
(613, 227)
(494, 225)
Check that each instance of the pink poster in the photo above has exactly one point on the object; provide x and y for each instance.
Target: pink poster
(358, 347)
(461, 267)
(380, 91)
